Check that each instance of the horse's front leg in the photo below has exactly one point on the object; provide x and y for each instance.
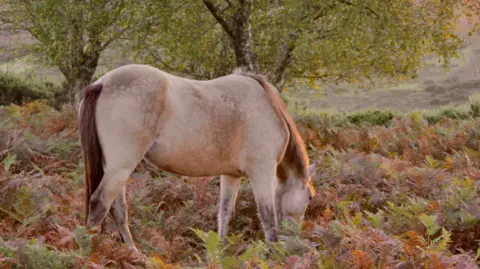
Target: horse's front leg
(263, 184)
(228, 195)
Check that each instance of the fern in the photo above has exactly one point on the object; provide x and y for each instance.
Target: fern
(444, 240)
(211, 242)
(377, 219)
(430, 223)
(8, 162)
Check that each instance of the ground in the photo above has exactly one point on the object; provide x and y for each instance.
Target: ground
(404, 193)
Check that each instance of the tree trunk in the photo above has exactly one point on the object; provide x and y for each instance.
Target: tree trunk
(74, 89)
(242, 32)
(80, 76)
(239, 30)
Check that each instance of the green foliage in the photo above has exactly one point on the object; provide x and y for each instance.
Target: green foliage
(475, 105)
(150, 215)
(444, 240)
(23, 203)
(430, 223)
(83, 239)
(72, 35)
(330, 120)
(376, 117)
(252, 252)
(404, 216)
(218, 254)
(436, 115)
(16, 90)
(34, 255)
(330, 41)
(462, 192)
(377, 219)
(190, 43)
(8, 162)
(212, 244)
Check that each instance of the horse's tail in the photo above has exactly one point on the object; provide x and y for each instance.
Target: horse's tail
(91, 148)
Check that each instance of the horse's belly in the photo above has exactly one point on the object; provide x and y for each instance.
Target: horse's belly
(199, 137)
(193, 160)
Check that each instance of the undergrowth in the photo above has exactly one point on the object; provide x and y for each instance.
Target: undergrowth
(18, 90)
(394, 191)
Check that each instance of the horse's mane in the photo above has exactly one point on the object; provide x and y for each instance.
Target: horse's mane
(296, 153)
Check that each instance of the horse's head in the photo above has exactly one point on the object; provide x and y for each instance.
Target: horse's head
(293, 196)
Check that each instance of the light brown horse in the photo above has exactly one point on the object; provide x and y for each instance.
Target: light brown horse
(233, 126)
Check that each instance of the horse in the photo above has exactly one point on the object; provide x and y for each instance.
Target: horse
(232, 126)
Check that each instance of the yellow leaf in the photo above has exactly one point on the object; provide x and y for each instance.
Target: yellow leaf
(328, 214)
(157, 260)
(449, 162)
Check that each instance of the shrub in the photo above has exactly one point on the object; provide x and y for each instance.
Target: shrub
(327, 119)
(35, 255)
(371, 117)
(474, 101)
(15, 90)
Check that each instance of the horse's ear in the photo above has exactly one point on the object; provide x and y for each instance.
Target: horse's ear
(312, 168)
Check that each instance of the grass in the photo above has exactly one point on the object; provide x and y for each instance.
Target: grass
(394, 191)
(30, 67)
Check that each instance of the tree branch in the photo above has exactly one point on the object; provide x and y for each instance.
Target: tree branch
(288, 47)
(216, 14)
(320, 13)
(114, 37)
(171, 68)
(367, 8)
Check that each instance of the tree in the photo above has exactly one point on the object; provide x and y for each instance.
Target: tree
(328, 41)
(191, 43)
(73, 34)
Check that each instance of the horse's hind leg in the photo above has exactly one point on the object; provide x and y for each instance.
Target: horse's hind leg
(262, 178)
(228, 195)
(118, 210)
(122, 152)
(111, 185)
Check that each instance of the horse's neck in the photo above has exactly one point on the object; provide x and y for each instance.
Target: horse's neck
(286, 170)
